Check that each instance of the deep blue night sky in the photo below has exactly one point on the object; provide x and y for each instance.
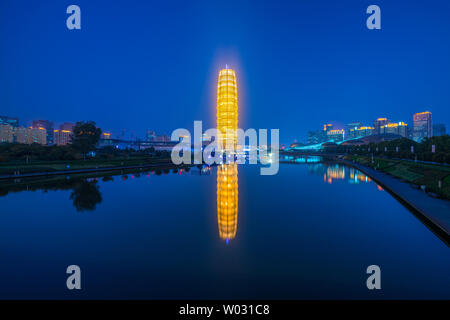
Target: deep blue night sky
(152, 64)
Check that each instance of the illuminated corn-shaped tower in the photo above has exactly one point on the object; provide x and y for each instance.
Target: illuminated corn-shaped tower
(227, 174)
(227, 108)
(227, 200)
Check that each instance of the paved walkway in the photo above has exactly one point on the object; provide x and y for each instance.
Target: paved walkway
(435, 213)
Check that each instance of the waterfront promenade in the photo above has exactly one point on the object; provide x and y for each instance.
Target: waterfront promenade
(161, 165)
(433, 212)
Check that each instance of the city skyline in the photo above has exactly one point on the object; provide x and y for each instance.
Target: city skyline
(124, 74)
(225, 159)
(404, 129)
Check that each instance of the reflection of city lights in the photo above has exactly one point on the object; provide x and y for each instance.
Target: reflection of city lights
(227, 200)
(335, 172)
(357, 176)
(379, 188)
(338, 172)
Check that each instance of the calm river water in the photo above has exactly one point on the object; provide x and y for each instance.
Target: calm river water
(308, 232)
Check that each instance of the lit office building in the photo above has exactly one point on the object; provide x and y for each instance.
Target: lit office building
(67, 126)
(39, 135)
(336, 135)
(6, 133)
(48, 126)
(23, 135)
(227, 200)
(399, 128)
(439, 129)
(327, 127)
(106, 135)
(350, 129)
(422, 126)
(379, 124)
(362, 132)
(227, 108)
(62, 137)
(13, 122)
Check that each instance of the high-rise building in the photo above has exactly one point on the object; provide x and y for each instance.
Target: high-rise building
(350, 129)
(362, 132)
(315, 137)
(63, 136)
(422, 126)
(22, 135)
(227, 108)
(336, 135)
(379, 124)
(150, 135)
(39, 135)
(6, 133)
(67, 126)
(227, 200)
(13, 122)
(48, 126)
(399, 128)
(327, 127)
(439, 129)
(227, 124)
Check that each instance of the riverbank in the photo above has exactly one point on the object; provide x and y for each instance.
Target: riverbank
(431, 178)
(433, 212)
(81, 167)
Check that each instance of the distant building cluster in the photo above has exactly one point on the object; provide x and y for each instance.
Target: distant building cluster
(10, 131)
(151, 136)
(41, 132)
(422, 127)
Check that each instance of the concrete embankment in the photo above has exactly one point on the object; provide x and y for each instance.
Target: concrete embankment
(163, 165)
(433, 212)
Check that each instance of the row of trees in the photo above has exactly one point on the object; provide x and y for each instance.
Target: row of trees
(436, 149)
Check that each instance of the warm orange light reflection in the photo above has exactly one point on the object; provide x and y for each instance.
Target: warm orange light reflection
(335, 172)
(358, 176)
(227, 200)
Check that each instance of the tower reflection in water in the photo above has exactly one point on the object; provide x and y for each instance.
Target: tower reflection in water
(227, 200)
(227, 175)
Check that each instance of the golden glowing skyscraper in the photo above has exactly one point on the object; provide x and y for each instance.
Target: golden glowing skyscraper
(227, 200)
(227, 174)
(227, 108)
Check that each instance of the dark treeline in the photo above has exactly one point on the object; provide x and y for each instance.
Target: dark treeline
(421, 151)
(30, 152)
